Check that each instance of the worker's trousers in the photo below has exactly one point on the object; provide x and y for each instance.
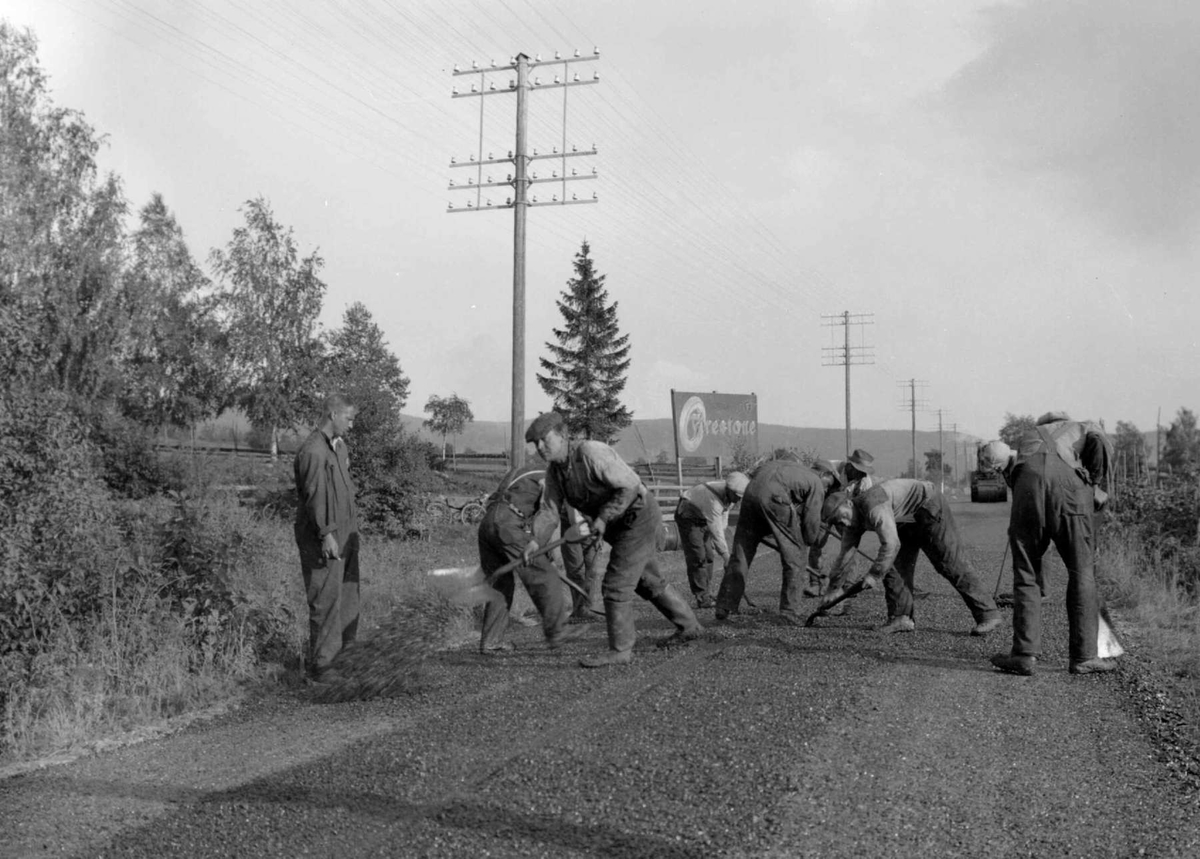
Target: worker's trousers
(935, 533)
(331, 588)
(757, 522)
(1052, 504)
(503, 536)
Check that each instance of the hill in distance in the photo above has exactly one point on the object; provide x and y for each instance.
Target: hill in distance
(648, 439)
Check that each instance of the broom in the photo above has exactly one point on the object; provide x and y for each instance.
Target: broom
(389, 661)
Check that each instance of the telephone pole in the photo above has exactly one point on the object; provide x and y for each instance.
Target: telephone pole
(846, 355)
(911, 404)
(520, 202)
(941, 454)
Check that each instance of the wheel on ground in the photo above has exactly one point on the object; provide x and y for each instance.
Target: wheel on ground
(437, 510)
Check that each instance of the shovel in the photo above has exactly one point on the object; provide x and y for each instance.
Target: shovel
(866, 583)
(468, 585)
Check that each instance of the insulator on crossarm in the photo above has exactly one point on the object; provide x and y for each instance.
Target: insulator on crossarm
(557, 55)
(557, 79)
(493, 64)
(470, 205)
(472, 156)
(453, 160)
(555, 150)
(596, 76)
(577, 52)
(574, 148)
(510, 153)
(489, 156)
(456, 67)
(508, 201)
(451, 183)
(474, 88)
(595, 52)
(555, 198)
(554, 174)
(470, 181)
(492, 86)
(537, 81)
(594, 171)
(512, 84)
(489, 202)
(594, 197)
(454, 91)
(537, 58)
(576, 78)
(449, 205)
(474, 64)
(574, 196)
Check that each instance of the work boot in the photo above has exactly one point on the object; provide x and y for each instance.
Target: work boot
(1093, 666)
(621, 635)
(497, 649)
(988, 625)
(1012, 663)
(903, 623)
(675, 609)
(705, 601)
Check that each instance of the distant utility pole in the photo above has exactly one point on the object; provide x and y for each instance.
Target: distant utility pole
(845, 355)
(520, 202)
(941, 454)
(911, 404)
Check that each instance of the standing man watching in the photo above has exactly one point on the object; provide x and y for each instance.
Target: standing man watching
(702, 516)
(782, 503)
(592, 478)
(326, 532)
(909, 517)
(1056, 474)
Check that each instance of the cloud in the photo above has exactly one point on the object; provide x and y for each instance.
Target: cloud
(1099, 96)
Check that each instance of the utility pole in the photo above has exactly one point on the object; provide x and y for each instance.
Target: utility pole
(910, 405)
(520, 202)
(941, 454)
(845, 355)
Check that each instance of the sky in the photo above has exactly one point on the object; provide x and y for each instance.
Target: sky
(1006, 195)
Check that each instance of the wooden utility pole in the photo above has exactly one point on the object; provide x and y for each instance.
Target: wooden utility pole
(520, 202)
(910, 405)
(845, 354)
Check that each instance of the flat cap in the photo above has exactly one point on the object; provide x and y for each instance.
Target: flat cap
(542, 424)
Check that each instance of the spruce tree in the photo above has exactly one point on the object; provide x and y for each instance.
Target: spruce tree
(585, 372)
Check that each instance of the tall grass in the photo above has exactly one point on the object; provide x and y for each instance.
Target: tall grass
(1149, 564)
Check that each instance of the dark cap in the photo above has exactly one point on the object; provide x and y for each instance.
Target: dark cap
(542, 424)
(833, 501)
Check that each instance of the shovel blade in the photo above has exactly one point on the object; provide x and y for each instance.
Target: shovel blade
(462, 585)
(1107, 646)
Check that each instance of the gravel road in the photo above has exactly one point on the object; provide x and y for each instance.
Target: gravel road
(760, 740)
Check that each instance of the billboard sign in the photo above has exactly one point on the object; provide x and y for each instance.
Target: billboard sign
(714, 424)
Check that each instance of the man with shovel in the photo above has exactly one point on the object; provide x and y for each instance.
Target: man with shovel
(1056, 473)
(852, 476)
(781, 507)
(504, 532)
(591, 477)
(909, 517)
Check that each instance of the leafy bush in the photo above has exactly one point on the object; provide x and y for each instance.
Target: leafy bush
(1159, 523)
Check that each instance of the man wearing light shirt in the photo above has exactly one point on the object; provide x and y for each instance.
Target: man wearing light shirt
(909, 517)
(702, 517)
